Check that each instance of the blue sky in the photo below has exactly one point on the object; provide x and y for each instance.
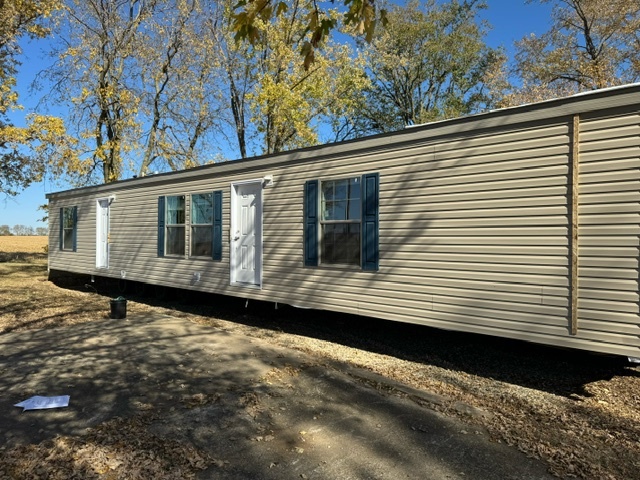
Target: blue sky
(510, 21)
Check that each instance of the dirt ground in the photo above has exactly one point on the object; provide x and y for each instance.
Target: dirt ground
(162, 397)
(577, 412)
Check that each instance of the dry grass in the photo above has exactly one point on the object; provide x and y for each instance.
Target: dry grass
(30, 301)
(22, 248)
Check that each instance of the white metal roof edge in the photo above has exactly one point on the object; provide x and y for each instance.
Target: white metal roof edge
(541, 103)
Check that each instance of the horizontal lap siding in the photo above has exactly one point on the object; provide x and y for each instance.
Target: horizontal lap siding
(482, 232)
(609, 228)
(134, 230)
(473, 234)
(84, 256)
(458, 221)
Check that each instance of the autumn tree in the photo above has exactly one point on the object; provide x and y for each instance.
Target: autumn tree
(238, 76)
(429, 63)
(289, 101)
(240, 81)
(360, 16)
(137, 75)
(23, 150)
(95, 56)
(179, 75)
(591, 44)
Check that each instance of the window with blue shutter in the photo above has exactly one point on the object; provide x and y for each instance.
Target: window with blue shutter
(311, 223)
(61, 236)
(175, 221)
(69, 229)
(370, 249)
(206, 225)
(217, 226)
(74, 241)
(341, 222)
(201, 220)
(160, 226)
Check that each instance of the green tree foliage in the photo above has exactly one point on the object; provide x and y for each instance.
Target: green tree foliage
(591, 44)
(429, 63)
(23, 150)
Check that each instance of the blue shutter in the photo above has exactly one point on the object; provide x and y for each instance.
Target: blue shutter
(216, 247)
(370, 195)
(75, 229)
(311, 223)
(161, 226)
(61, 228)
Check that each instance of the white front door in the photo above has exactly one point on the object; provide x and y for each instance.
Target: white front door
(246, 233)
(102, 233)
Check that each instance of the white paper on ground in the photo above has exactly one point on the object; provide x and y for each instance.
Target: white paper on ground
(40, 403)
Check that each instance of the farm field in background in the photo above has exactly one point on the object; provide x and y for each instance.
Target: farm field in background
(18, 247)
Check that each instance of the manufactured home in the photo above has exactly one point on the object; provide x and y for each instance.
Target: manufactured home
(522, 223)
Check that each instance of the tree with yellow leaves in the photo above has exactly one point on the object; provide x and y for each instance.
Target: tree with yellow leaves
(24, 151)
(360, 16)
(139, 77)
(591, 44)
(178, 72)
(290, 99)
(98, 41)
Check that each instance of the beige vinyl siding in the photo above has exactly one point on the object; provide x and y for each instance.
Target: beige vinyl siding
(474, 227)
(609, 228)
(482, 194)
(85, 251)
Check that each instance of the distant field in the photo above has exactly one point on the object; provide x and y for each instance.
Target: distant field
(16, 248)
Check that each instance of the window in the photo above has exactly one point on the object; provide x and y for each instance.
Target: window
(201, 224)
(68, 228)
(175, 238)
(204, 221)
(341, 222)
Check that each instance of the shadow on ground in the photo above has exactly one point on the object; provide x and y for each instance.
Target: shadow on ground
(258, 410)
(558, 371)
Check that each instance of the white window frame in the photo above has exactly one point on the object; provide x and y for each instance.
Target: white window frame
(322, 222)
(72, 229)
(192, 225)
(168, 225)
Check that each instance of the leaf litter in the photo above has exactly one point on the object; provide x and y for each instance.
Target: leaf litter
(592, 434)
